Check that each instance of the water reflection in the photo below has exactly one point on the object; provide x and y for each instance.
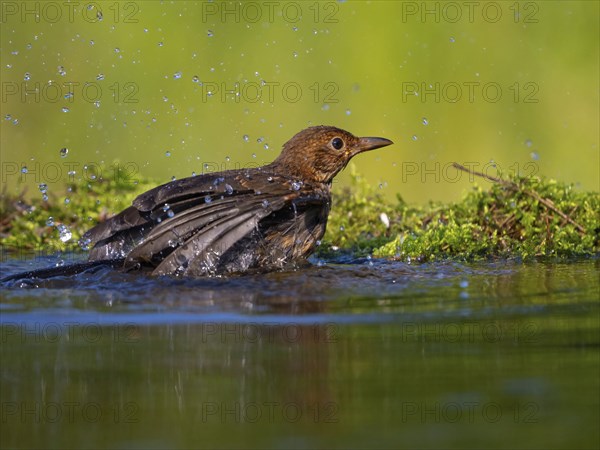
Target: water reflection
(346, 355)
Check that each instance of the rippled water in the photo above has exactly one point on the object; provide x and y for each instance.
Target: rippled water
(351, 353)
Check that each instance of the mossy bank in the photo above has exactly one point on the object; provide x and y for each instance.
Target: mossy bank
(515, 218)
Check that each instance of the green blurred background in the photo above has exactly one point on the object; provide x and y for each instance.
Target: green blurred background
(510, 84)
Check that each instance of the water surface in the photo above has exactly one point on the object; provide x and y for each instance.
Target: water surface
(350, 353)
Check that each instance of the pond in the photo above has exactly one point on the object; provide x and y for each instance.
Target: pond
(347, 353)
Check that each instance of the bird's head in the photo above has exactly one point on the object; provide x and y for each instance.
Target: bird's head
(320, 153)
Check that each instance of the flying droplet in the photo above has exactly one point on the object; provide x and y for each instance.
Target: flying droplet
(64, 152)
(246, 138)
(50, 221)
(177, 75)
(64, 232)
(425, 121)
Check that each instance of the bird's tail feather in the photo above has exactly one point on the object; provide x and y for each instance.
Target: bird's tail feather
(63, 271)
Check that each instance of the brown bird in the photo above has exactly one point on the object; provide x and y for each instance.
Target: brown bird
(236, 220)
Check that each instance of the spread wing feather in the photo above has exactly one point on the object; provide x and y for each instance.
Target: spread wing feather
(186, 226)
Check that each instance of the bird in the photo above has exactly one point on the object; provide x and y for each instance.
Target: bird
(233, 221)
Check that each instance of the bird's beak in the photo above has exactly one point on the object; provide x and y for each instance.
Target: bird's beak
(370, 143)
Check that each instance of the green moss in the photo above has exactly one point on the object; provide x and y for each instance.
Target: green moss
(36, 224)
(520, 217)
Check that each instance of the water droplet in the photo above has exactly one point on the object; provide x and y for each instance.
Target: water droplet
(425, 121)
(64, 232)
(100, 77)
(160, 44)
(415, 137)
(167, 153)
(296, 185)
(342, 228)
(64, 152)
(43, 187)
(227, 158)
(210, 33)
(218, 181)
(265, 204)
(27, 76)
(117, 50)
(45, 197)
(61, 71)
(270, 179)
(528, 142)
(84, 243)
(166, 207)
(177, 75)
(295, 54)
(464, 284)
(65, 109)
(295, 28)
(228, 189)
(50, 221)
(260, 139)
(67, 201)
(170, 213)
(254, 155)
(534, 155)
(196, 79)
(266, 146)
(348, 112)
(246, 138)
(207, 199)
(24, 169)
(452, 39)
(7, 117)
(325, 107)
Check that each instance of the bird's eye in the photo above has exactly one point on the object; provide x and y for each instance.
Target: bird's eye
(337, 143)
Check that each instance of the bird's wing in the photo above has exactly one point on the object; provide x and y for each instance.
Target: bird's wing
(194, 220)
